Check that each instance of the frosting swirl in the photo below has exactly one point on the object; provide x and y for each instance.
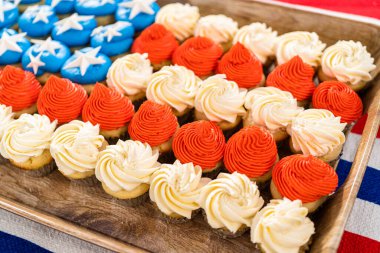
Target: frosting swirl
(219, 28)
(198, 54)
(175, 188)
(230, 201)
(61, 99)
(6, 117)
(304, 177)
(200, 142)
(294, 76)
(153, 123)
(338, 98)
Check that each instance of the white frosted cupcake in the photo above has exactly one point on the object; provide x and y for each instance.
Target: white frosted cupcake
(317, 132)
(230, 202)
(348, 62)
(6, 116)
(125, 169)
(282, 226)
(271, 108)
(175, 188)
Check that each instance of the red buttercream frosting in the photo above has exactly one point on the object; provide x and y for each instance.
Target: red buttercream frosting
(61, 99)
(158, 42)
(294, 76)
(241, 66)
(18, 88)
(198, 54)
(108, 108)
(304, 177)
(200, 142)
(251, 151)
(338, 98)
(153, 123)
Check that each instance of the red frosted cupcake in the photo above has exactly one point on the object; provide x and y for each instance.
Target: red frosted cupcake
(340, 99)
(198, 54)
(111, 110)
(303, 177)
(19, 89)
(159, 43)
(296, 77)
(62, 100)
(202, 143)
(251, 151)
(241, 66)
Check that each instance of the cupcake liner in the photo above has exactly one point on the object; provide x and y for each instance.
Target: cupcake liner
(212, 174)
(134, 201)
(88, 181)
(167, 157)
(174, 220)
(42, 171)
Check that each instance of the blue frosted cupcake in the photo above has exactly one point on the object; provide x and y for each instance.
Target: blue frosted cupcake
(86, 67)
(141, 13)
(8, 15)
(24, 4)
(37, 21)
(44, 58)
(61, 7)
(12, 47)
(114, 40)
(103, 10)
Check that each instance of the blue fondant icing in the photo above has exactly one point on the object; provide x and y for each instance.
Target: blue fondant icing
(10, 15)
(62, 6)
(12, 56)
(29, 1)
(35, 27)
(95, 7)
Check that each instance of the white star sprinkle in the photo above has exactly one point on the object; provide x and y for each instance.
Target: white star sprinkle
(35, 62)
(138, 6)
(4, 8)
(54, 3)
(9, 42)
(71, 22)
(41, 15)
(46, 45)
(84, 60)
(110, 31)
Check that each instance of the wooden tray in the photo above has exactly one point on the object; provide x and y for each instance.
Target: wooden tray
(88, 213)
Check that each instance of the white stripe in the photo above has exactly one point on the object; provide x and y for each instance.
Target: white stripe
(374, 160)
(350, 147)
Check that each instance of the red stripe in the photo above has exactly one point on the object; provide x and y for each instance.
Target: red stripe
(353, 243)
(359, 126)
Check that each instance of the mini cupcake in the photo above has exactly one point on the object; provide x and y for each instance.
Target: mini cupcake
(19, 89)
(158, 43)
(178, 18)
(174, 190)
(75, 148)
(253, 152)
(141, 13)
(317, 132)
(282, 226)
(114, 40)
(12, 47)
(44, 58)
(304, 44)
(61, 7)
(348, 62)
(272, 109)
(129, 75)
(87, 67)
(230, 202)
(340, 99)
(241, 66)
(6, 117)
(26, 142)
(103, 10)
(111, 110)
(62, 100)
(221, 101)
(8, 15)
(303, 177)
(219, 28)
(175, 86)
(259, 39)
(37, 21)
(25, 4)
(296, 77)
(198, 54)
(202, 143)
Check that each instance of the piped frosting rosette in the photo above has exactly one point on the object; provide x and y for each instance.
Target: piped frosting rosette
(6, 116)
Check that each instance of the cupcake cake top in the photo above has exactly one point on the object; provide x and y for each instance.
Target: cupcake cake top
(198, 54)
(230, 201)
(294, 76)
(179, 18)
(304, 177)
(8, 14)
(62, 100)
(158, 42)
(281, 215)
(241, 66)
(348, 61)
(175, 86)
(304, 44)
(340, 99)
(12, 46)
(37, 21)
(6, 116)
(220, 99)
(175, 188)
(61, 6)
(108, 108)
(259, 39)
(95, 7)
(200, 142)
(251, 151)
(18, 88)
(153, 123)
(130, 74)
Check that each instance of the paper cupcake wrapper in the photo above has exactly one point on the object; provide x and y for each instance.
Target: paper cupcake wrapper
(42, 171)
(88, 181)
(175, 220)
